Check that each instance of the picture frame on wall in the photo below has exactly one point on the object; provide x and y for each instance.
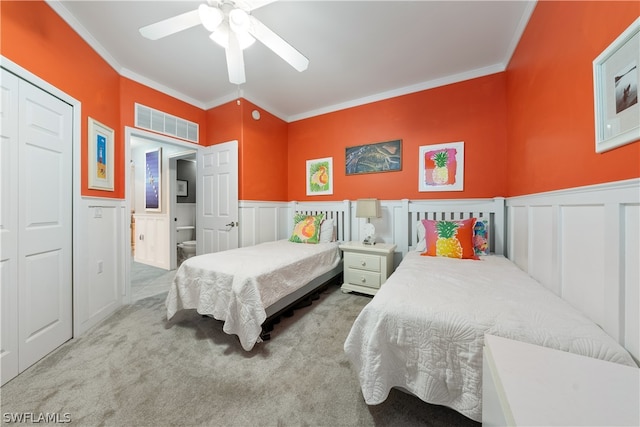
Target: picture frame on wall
(153, 180)
(100, 156)
(182, 188)
(441, 167)
(616, 74)
(319, 176)
(374, 158)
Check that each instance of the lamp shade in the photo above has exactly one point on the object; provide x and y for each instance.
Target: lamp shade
(368, 208)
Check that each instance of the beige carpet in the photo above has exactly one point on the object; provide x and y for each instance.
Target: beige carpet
(138, 369)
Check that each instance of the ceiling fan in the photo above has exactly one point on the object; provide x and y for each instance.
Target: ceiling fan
(233, 27)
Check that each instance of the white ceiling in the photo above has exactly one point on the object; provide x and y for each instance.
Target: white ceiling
(359, 51)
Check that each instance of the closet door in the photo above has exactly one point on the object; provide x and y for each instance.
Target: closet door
(45, 176)
(8, 227)
(35, 224)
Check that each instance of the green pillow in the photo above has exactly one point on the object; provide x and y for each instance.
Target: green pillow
(306, 228)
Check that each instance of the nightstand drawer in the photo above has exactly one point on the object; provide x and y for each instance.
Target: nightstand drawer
(362, 277)
(362, 261)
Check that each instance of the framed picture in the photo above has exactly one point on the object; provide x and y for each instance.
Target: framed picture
(441, 167)
(319, 176)
(100, 156)
(182, 188)
(372, 158)
(616, 74)
(153, 180)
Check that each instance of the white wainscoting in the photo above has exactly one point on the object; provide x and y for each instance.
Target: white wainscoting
(101, 242)
(584, 245)
(261, 222)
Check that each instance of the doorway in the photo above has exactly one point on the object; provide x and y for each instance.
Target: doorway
(183, 170)
(147, 279)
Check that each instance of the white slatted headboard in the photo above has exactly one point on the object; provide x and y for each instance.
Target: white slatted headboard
(492, 210)
(339, 212)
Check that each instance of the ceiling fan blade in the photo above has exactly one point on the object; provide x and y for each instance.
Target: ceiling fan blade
(171, 25)
(274, 42)
(235, 60)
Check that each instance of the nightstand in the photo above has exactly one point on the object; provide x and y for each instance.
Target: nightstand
(366, 267)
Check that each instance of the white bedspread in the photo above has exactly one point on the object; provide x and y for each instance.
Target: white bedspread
(237, 285)
(424, 330)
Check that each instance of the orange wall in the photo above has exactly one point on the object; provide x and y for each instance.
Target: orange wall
(33, 36)
(224, 123)
(264, 171)
(36, 38)
(473, 111)
(544, 142)
(551, 125)
(262, 148)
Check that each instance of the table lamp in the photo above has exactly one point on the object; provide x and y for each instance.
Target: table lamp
(368, 208)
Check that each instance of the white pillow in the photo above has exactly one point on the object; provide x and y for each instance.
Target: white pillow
(327, 232)
(422, 242)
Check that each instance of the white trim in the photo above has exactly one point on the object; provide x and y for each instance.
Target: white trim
(522, 25)
(125, 72)
(418, 87)
(578, 191)
(83, 33)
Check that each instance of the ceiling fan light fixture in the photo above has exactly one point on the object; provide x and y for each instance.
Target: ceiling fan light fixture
(221, 37)
(239, 21)
(211, 17)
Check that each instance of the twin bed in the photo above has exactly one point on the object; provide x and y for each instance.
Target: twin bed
(424, 330)
(247, 287)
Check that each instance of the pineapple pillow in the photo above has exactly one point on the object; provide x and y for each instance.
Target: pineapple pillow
(453, 239)
(306, 228)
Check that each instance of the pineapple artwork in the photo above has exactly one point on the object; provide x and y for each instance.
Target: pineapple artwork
(441, 167)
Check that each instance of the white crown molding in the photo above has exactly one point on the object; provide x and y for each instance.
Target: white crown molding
(124, 72)
(430, 84)
(83, 33)
(522, 25)
(456, 78)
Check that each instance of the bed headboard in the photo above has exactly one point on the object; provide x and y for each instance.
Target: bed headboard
(339, 212)
(492, 210)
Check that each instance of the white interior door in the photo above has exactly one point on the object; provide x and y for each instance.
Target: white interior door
(217, 201)
(9, 227)
(45, 174)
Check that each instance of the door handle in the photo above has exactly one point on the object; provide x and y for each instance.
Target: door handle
(231, 224)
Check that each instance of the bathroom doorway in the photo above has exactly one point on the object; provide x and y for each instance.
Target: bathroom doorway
(182, 206)
(139, 141)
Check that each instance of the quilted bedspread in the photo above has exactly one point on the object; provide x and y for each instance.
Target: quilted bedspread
(424, 329)
(238, 284)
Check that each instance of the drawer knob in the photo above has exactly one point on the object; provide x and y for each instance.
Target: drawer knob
(363, 279)
(363, 263)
